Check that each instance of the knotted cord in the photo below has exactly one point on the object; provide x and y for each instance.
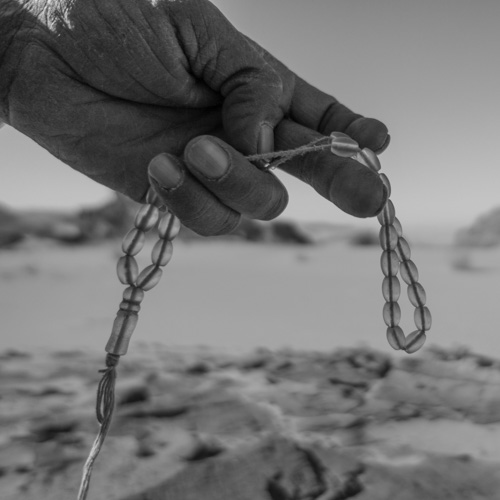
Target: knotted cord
(277, 158)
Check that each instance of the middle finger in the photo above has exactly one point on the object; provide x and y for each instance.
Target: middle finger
(235, 181)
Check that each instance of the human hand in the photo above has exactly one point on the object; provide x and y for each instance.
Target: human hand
(107, 86)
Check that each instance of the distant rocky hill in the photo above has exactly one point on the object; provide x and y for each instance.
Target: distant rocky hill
(10, 231)
(483, 232)
(93, 224)
(114, 218)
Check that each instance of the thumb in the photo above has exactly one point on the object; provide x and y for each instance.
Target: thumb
(252, 108)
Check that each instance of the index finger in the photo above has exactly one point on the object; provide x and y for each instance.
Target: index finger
(321, 112)
(353, 187)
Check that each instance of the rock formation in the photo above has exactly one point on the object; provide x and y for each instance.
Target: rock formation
(483, 232)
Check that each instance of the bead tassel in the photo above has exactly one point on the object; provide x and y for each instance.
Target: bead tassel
(104, 410)
(127, 316)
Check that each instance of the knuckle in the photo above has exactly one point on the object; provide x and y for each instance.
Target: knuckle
(275, 207)
(213, 224)
(262, 200)
(228, 225)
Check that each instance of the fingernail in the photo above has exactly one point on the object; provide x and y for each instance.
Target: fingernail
(265, 143)
(208, 158)
(385, 145)
(165, 171)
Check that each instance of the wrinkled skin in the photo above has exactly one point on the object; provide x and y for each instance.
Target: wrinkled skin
(107, 85)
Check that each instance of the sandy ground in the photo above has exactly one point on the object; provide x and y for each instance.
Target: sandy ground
(268, 425)
(307, 421)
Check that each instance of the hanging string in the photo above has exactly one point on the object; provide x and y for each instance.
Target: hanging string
(104, 409)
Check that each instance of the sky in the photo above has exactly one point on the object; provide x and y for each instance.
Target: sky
(428, 69)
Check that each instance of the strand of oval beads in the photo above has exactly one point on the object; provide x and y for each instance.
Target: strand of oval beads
(127, 316)
(396, 256)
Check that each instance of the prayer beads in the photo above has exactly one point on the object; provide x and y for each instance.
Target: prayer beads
(149, 277)
(391, 288)
(416, 294)
(396, 256)
(162, 252)
(369, 158)
(128, 312)
(389, 262)
(128, 270)
(133, 241)
(343, 145)
(146, 217)
(169, 227)
(388, 238)
(414, 341)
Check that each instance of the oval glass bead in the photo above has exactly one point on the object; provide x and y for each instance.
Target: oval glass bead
(127, 269)
(133, 294)
(146, 217)
(169, 227)
(388, 214)
(396, 338)
(133, 241)
(388, 237)
(398, 227)
(423, 318)
(389, 263)
(417, 295)
(409, 272)
(387, 184)
(391, 314)
(343, 145)
(369, 158)
(404, 250)
(152, 198)
(162, 252)
(149, 277)
(415, 341)
(391, 288)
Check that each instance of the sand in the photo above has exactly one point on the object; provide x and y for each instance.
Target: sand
(324, 410)
(270, 425)
(240, 296)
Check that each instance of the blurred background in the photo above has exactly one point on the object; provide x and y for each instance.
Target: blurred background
(427, 69)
